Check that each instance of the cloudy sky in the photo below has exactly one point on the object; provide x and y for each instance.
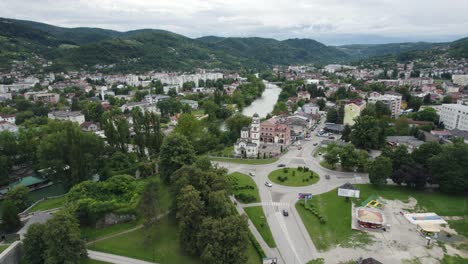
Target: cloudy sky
(329, 21)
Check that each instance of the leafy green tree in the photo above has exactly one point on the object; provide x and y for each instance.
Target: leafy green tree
(348, 156)
(4, 170)
(332, 115)
(117, 132)
(148, 206)
(169, 107)
(428, 114)
(34, 244)
(362, 160)
(332, 155)
(224, 240)
(190, 210)
(176, 151)
(346, 134)
(10, 219)
(381, 110)
(367, 133)
(190, 127)
(425, 152)
(234, 125)
(63, 240)
(449, 168)
(22, 117)
(402, 126)
(280, 108)
(321, 103)
(19, 197)
(380, 170)
(70, 155)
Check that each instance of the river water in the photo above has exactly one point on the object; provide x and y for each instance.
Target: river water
(264, 105)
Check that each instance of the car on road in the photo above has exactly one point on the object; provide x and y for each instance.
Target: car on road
(268, 184)
(327, 176)
(285, 212)
(252, 173)
(307, 139)
(331, 137)
(281, 165)
(315, 144)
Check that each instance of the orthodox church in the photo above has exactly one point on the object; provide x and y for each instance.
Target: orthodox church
(248, 144)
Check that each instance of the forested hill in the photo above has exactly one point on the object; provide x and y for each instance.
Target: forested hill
(148, 49)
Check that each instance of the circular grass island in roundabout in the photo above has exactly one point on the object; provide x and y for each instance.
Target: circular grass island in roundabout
(294, 177)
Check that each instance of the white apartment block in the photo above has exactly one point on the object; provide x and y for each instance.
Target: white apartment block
(74, 116)
(460, 79)
(393, 102)
(454, 116)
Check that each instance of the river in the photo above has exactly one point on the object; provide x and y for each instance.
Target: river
(264, 105)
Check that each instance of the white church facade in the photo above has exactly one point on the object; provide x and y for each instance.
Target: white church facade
(248, 144)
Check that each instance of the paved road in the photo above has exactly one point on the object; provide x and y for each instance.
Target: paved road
(293, 242)
(114, 258)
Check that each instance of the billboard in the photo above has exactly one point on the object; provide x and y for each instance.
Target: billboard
(348, 193)
(307, 196)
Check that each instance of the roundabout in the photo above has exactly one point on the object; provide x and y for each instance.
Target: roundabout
(294, 177)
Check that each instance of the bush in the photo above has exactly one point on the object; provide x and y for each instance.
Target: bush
(257, 246)
(294, 173)
(245, 198)
(299, 168)
(285, 170)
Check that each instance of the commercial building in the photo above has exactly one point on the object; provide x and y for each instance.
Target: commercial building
(393, 102)
(454, 116)
(275, 130)
(353, 110)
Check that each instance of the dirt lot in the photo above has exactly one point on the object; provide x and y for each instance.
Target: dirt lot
(402, 242)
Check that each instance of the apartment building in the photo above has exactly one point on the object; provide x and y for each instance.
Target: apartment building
(393, 102)
(454, 116)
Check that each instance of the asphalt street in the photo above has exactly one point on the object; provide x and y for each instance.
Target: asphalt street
(294, 245)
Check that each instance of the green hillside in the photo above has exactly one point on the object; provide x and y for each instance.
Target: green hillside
(459, 48)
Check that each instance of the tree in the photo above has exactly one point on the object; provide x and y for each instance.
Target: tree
(189, 214)
(10, 219)
(402, 126)
(340, 115)
(224, 240)
(116, 130)
(427, 99)
(449, 168)
(63, 240)
(332, 115)
(19, 197)
(348, 156)
(190, 127)
(70, 155)
(425, 152)
(234, 125)
(367, 133)
(4, 170)
(34, 244)
(280, 108)
(176, 151)
(428, 114)
(447, 99)
(321, 103)
(148, 206)
(332, 155)
(381, 110)
(380, 170)
(346, 134)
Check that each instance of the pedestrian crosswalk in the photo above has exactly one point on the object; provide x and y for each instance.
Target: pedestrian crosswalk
(283, 204)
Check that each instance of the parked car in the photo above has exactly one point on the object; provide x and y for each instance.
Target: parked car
(327, 176)
(281, 165)
(315, 144)
(268, 184)
(285, 212)
(252, 173)
(331, 137)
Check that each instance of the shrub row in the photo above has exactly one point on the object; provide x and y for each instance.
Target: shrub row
(311, 208)
(257, 246)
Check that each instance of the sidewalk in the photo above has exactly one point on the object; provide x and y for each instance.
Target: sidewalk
(116, 259)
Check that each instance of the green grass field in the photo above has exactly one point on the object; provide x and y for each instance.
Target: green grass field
(48, 204)
(161, 244)
(461, 226)
(92, 261)
(454, 260)
(244, 188)
(293, 177)
(337, 213)
(245, 161)
(3, 247)
(95, 233)
(258, 218)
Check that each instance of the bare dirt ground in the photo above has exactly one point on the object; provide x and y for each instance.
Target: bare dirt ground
(398, 245)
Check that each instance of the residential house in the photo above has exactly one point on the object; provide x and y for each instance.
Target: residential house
(311, 109)
(353, 109)
(192, 103)
(90, 126)
(7, 126)
(8, 118)
(156, 98)
(43, 96)
(74, 116)
(143, 105)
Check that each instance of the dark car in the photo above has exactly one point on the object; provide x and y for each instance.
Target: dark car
(315, 144)
(281, 165)
(327, 176)
(331, 137)
(285, 212)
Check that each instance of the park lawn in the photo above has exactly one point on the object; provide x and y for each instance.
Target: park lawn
(294, 177)
(48, 204)
(162, 246)
(428, 201)
(3, 247)
(337, 214)
(252, 255)
(245, 161)
(93, 261)
(461, 226)
(258, 218)
(90, 233)
(242, 185)
(454, 260)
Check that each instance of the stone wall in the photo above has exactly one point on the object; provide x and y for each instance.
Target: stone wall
(11, 255)
(112, 219)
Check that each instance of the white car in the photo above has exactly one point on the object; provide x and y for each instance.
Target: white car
(268, 184)
(252, 173)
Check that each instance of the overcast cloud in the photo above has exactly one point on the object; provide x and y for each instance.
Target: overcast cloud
(329, 21)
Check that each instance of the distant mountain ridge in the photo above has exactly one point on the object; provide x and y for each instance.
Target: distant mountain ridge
(151, 49)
